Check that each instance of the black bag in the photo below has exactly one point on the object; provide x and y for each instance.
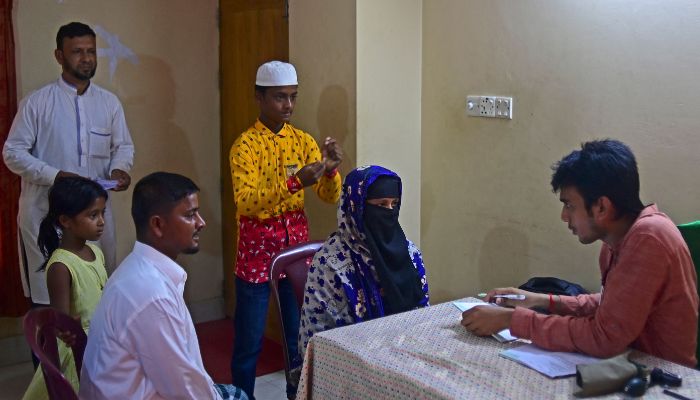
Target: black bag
(553, 286)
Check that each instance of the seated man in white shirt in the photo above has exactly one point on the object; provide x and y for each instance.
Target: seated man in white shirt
(142, 343)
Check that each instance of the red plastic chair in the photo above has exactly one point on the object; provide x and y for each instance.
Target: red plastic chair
(40, 326)
(292, 262)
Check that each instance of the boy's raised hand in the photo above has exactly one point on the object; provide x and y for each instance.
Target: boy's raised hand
(332, 154)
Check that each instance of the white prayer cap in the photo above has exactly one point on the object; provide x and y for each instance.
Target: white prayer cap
(276, 73)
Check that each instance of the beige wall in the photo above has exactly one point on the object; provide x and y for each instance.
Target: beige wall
(360, 80)
(327, 94)
(577, 71)
(372, 72)
(389, 96)
(171, 101)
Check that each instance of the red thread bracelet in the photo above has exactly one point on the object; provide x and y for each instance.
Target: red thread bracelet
(332, 173)
(294, 184)
(551, 303)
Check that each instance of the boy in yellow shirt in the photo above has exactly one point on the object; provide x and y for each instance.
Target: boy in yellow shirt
(271, 163)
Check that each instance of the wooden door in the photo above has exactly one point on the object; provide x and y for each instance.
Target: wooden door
(251, 32)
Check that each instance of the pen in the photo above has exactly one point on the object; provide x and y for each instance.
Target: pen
(676, 395)
(505, 296)
(509, 296)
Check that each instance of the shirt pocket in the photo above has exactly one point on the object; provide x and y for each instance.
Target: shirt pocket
(100, 142)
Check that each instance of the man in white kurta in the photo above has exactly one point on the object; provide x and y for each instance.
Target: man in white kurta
(70, 126)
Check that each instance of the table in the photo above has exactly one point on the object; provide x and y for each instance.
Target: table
(427, 354)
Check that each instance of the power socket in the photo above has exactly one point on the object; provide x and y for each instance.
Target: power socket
(487, 107)
(504, 107)
(490, 106)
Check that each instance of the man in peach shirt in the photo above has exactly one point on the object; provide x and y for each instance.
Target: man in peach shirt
(648, 299)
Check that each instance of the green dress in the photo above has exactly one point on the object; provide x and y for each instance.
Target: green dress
(88, 278)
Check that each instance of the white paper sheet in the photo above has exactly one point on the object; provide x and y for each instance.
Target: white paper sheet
(503, 336)
(553, 364)
(107, 184)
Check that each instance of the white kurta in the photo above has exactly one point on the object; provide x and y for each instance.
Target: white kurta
(55, 130)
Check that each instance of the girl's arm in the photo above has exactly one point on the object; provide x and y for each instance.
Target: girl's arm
(58, 280)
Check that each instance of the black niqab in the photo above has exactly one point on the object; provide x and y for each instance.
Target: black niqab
(398, 277)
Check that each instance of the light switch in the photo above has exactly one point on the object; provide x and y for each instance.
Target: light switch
(490, 106)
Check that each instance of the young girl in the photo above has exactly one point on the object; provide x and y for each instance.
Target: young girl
(75, 271)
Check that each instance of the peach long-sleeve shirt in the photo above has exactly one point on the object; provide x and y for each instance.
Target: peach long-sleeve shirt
(649, 300)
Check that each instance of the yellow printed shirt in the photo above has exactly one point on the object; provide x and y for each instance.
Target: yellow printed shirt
(269, 198)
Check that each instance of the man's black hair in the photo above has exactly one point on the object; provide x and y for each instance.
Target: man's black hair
(157, 194)
(261, 89)
(71, 30)
(601, 168)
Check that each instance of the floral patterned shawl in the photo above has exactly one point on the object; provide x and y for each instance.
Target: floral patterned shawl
(342, 287)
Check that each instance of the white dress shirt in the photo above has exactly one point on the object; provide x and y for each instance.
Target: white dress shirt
(142, 343)
(56, 129)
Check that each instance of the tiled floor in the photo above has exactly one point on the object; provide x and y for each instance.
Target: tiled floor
(271, 386)
(15, 378)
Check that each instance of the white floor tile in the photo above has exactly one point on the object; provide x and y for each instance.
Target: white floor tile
(272, 377)
(269, 391)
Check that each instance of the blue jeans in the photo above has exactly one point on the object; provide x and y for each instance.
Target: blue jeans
(252, 300)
